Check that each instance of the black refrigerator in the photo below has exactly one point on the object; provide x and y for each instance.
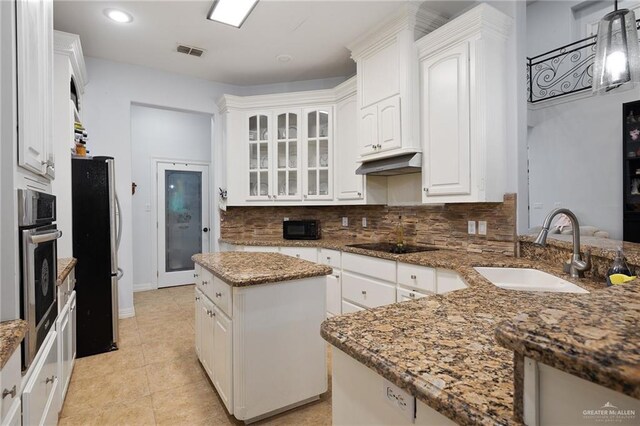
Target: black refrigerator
(631, 171)
(95, 244)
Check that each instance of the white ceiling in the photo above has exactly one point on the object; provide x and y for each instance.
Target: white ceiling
(314, 33)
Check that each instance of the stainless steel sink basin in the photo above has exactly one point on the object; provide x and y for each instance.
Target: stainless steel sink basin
(528, 280)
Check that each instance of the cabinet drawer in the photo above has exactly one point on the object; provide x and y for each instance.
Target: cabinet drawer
(262, 249)
(381, 269)
(207, 283)
(329, 257)
(10, 378)
(310, 254)
(38, 398)
(348, 308)
(449, 281)
(197, 276)
(418, 277)
(404, 294)
(222, 294)
(367, 292)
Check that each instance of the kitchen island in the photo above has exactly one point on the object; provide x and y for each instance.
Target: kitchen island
(257, 322)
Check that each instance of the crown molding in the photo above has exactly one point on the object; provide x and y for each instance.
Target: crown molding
(346, 89)
(411, 16)
(481, 19)
(298, 99)
(69, 45)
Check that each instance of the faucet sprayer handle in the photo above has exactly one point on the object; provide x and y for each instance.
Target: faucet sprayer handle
(583, 265)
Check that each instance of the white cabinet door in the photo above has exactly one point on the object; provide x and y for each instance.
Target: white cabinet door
(379, 73)
(317, 154)
(72, 329)
(405, 294)
(10, 379)
(63, 328)
(13, 417)
(199, 320)
(445, 123)
(39, 398)
(259, 129)
(334, 294)
(367, 292)
(349, 185)
(34, 34)
(223, 367)
(368, 130)
(208, 328)
(287, 155)
(389, 135)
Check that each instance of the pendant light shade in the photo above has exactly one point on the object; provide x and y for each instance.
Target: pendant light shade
(617, 59)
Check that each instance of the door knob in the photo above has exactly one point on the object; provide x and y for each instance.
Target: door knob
(205, 230)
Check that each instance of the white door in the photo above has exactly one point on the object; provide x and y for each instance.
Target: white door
(222, 366)
(368, 130)
(389, 136)
(349, 185)
(183, 220)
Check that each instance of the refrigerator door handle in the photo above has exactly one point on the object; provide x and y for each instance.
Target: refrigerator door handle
(119, 274)
(119, 214)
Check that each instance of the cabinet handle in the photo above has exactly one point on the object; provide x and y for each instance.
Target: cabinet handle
(412, 295)
(359, 194)
(337, 276)
(197, 298)
(364, 293)
(195, 275)
(426, 189)
(413, 277)
(49, 380)
(328, 257)
(275, 196)
(218, 294)
(7, 392)
(204, 283)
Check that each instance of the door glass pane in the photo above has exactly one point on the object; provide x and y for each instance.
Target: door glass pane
(253, 184)
(282, 183)
(264, 156)
(282, 155)
(293, 155)
(323, 187)
(264, 183)
(282, 126)
(312, 184)
(253, 156)
(311, 127)
(264, 130)
(293, 126)
(293, 183)
(183, 218)
(324, 124)
(253, 128)
(324, 153)
(312, 160)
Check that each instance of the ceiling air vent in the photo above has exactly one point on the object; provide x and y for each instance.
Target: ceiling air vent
(190, 50)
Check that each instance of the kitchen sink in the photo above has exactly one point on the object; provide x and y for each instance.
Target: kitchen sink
(523, 279)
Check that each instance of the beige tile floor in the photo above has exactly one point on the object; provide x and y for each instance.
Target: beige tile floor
(155, 377)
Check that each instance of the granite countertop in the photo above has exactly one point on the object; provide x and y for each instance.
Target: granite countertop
(240, 269)
(65, 265)
(595, 337)
(601, 247)
(443, 348)
(11, 335)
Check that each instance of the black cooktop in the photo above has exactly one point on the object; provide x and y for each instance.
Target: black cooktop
(392, 248)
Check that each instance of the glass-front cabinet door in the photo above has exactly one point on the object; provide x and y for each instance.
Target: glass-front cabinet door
(287, 159)
(318, 154)
(259, 157)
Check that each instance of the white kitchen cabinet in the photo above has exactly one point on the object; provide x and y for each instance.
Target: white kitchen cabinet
(318, 154)
(463, 102)
(387, 76)
(287, 157)
(223, 356)
(334, 281)
(40, 400)
(381, 269)
(305, 253)
(34, 39)
(207, 349)
(199, 303)
(417, 277)
(367, 292)
(65, 327)
(14, 416)
(10, 379)
(330, 257)
(258, 133)
(348, 307)
(404, 294)
(448, 281)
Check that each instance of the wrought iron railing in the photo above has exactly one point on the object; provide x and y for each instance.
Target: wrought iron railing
(562, 71)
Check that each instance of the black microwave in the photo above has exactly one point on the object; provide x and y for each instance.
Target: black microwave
(301, 229)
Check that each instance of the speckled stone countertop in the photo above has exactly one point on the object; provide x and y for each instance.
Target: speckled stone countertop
(601, 247)
(595, 337)
(65, 265)
(240, 269)
(443, 348)
(11, 335)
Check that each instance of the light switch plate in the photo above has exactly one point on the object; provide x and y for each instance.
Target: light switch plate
(345, 221)
(364, 222)
(471, 227)
(482, 227)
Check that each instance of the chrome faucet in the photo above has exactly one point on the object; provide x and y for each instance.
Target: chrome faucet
(576, 266)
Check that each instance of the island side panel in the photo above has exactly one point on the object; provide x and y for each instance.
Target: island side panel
(279, 357)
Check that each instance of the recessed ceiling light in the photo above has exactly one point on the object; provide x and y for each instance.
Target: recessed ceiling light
(284, 58)
(231, 12)
(118, 16)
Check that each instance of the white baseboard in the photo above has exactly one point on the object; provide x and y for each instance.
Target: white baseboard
(127, 313)
(144, 287)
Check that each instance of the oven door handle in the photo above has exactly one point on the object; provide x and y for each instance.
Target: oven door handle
(45, 236)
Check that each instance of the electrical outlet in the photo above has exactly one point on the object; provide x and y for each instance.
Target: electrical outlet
(345, 221)
(471, 227)
(364, 222)
(399, 399)
(482, 227)
(286, 219)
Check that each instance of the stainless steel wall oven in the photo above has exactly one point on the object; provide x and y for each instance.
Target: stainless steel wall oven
(38, 267)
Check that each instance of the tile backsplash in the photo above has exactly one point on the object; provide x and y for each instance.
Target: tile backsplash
(442, 225)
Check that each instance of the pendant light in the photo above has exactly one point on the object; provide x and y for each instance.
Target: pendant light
(617, 60)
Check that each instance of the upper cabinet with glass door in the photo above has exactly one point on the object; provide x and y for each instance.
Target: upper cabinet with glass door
(318, 154)
(287, 161)
(259, 157)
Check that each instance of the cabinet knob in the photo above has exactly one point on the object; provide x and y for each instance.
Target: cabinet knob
(337, 276)
(298, 256)
(7, 392)
(364, 292)
(413, 277)
(218, 294)
(195, 275)
(359, 194)
(426, 189)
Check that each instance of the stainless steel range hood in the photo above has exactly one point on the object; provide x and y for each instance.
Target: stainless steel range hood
(399, 165)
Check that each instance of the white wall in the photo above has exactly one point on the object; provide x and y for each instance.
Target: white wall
(575, 142)
(159, 134)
